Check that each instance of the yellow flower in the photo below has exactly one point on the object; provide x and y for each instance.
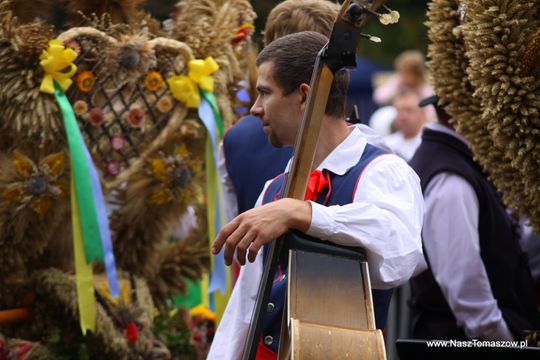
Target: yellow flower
(203, 311)
(57, 62)
(184, 90)
(153, 81)
(85, 81)
(36, 186)
(200, 71)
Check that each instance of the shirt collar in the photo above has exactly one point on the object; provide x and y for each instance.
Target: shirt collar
(344, 156)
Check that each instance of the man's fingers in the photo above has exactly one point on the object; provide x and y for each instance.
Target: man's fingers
(243, 245)
(254, 248)
(232, 242)
(225, 232)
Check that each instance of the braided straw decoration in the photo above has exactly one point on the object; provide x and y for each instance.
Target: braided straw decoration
(475, 63)
(497, 35)
(533, 50)
(449, 65)
(28, 115)
(208, 27)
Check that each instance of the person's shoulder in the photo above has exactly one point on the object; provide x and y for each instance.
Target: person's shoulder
(245, 128)
(247, 123)
(391, 165)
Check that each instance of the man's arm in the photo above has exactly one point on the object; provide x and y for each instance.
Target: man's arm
(452, 246)
(249, 231)
(385, 219)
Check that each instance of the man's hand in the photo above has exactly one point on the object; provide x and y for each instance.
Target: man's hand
(249, 231)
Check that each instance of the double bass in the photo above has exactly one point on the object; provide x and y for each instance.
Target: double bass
(329, 314)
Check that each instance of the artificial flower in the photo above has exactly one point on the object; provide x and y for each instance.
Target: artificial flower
(85, 81)
(243, 33)
(96, 117)
(80, 107)
(54, 61)
(185, 90)
(113, 167)
(165, 104)
(136, 118)
(174, 175)
(132, 332)
(200, 71)
(153, 81)
(118, 142)
(37, 186)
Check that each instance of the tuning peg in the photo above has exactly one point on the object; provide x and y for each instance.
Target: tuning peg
(388, 18)
(375, 39)
(391, 17)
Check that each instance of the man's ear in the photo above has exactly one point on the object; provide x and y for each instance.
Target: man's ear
(304, 90)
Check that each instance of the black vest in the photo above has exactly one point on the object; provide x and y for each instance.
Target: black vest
(505, 263)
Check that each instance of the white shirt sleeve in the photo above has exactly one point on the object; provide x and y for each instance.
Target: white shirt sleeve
(228, 194)
(385, 218)
(452, 246)
(231, 334)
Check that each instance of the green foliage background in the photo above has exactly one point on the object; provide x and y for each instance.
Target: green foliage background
(409, 33)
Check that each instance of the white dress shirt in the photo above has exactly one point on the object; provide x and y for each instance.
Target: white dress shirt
(385, 218)
(452, 244)
(230, 202)
(403, 147)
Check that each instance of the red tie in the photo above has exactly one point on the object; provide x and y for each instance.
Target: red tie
(317, 182)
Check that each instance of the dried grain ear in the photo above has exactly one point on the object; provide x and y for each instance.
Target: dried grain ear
(485, 66)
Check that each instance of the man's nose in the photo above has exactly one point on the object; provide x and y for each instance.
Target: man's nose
(256, 109)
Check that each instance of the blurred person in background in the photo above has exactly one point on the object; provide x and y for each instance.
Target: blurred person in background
(411, 74)
(408, 122)
(478, 284)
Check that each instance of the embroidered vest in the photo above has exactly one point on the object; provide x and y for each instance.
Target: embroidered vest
(340, 192)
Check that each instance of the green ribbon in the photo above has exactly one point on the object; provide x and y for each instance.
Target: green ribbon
(212, 101)
(82, 179)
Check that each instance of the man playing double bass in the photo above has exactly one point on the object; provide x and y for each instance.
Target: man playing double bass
(358, 195)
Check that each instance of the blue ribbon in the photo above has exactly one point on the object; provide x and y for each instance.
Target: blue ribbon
(97, 193)
(104, 230)
(218, 275)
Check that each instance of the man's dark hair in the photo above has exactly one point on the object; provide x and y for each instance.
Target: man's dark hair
(293, 57)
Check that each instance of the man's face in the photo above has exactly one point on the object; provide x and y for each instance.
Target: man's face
(280, 114)
(410, 117)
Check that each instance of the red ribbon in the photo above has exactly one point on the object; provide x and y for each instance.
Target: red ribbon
(317, 182)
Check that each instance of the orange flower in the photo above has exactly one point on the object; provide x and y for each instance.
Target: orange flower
(153, 81)
(85, 81)
(36, 186)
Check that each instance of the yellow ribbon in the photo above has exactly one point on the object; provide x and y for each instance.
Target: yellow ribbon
(57, 62)
(200, 71)
(184, 88)
(83, 272)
